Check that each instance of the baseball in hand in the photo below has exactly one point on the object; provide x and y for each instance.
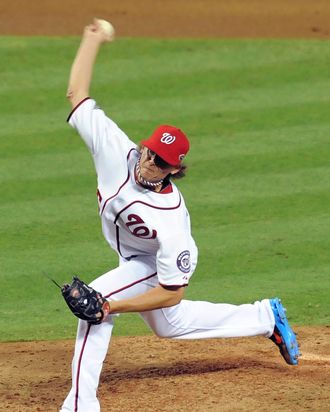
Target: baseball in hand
(107, 27)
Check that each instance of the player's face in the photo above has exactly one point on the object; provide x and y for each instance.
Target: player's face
(150, 170)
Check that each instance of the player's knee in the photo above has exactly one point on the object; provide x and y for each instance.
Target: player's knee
(161, 334)
(164, 331)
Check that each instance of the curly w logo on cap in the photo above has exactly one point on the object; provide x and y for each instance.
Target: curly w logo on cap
(167, 138)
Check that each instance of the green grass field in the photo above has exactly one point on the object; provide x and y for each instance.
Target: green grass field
(258, 185)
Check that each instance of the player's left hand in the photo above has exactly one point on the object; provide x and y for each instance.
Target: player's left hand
(85, 302)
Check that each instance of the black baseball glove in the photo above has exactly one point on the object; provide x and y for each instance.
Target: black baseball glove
(85, 302)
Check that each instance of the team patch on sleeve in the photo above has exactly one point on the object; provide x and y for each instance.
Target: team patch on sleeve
(183, 261)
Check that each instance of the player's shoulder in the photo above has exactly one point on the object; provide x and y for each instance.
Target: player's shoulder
(88, 111)
(81, 107)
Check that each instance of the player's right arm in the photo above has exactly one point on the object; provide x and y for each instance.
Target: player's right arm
(156, 298)
(83, 64)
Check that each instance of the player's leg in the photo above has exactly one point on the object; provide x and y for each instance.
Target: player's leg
(92, 341)
(198, 320)
(90, 349)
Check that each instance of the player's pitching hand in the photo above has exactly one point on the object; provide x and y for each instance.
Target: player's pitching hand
(101, 30)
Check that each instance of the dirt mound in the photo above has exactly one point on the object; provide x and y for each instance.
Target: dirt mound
(148, 374)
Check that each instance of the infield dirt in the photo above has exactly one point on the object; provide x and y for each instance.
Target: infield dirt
(148, 374)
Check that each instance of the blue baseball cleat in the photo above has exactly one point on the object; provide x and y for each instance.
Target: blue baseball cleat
(283, 336)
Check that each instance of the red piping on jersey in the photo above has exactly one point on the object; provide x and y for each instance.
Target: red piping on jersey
(147, 204)
(130, 285)
(76, 107)
(168, 189)
(111, 197)
(118, 243)
(117, 240)
(174, 286)
(78, 369)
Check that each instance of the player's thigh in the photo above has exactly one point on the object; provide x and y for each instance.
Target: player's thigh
(180, 319)
(165, 322)
(129, 279)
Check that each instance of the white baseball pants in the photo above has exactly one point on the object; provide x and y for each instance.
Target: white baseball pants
(187, 320)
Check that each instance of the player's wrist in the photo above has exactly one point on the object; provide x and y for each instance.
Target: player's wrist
(113, 305)
(106, 309)
(91, 40)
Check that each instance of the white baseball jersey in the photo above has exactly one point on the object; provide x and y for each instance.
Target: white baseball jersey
(135, 220)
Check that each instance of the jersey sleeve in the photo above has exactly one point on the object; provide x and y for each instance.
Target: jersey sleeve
(97, 130)
(176, 260)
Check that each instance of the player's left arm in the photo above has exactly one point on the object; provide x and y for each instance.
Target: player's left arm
(156, 298)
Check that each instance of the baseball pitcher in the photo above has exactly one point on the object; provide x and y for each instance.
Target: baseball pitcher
(145, 220)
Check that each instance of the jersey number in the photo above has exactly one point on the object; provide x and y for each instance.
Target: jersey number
(141, 230)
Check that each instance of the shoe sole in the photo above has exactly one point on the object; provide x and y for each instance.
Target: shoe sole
(288, 336)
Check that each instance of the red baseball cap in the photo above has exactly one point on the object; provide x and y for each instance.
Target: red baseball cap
(169, 143)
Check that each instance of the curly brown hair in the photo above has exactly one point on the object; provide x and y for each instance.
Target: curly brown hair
(181, 173)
